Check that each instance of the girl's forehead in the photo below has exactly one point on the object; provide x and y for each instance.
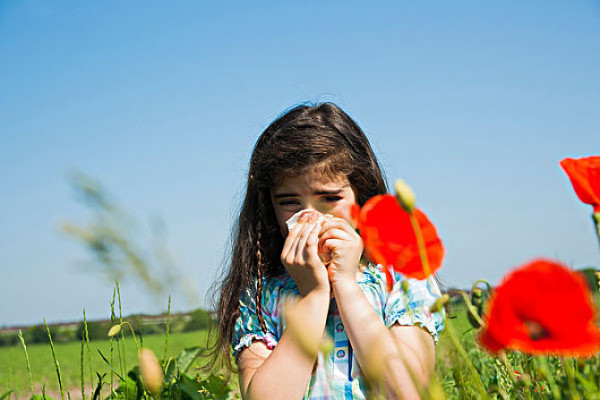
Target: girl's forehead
(312, 180)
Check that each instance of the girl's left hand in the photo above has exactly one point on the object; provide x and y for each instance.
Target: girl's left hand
(341, 248)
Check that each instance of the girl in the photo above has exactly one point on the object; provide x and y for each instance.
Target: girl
(318, 159)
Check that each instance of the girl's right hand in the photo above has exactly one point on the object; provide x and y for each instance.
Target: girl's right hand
(300, 255)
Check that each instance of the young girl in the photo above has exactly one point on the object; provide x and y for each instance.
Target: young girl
(318, 159)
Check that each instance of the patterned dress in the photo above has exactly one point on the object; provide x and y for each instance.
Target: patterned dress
(337, 375)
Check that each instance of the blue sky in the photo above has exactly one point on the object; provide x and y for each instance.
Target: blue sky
(473, 103)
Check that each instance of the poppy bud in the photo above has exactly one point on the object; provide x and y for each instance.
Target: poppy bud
(404, 286)
(439, 303)
(152, 373)
(405, 196)
(114, 330)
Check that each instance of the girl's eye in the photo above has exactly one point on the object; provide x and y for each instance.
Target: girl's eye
(332, 199)
(288, 203)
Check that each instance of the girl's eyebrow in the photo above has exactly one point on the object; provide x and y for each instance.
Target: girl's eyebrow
(318, 193)
(281, 195)
(328, 192)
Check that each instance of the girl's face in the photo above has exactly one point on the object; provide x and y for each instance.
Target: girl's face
(314, 192)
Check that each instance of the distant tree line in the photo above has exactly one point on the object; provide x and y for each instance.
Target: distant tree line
(196, 320)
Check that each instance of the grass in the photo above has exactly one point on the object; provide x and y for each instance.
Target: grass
(13, 370)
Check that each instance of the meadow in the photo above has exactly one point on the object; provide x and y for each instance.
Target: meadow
(13, 370)
(463, 368)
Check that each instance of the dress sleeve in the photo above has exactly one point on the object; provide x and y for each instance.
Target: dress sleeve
(411, 307)
(247, 327)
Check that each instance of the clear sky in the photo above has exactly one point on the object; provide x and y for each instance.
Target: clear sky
(473, 103)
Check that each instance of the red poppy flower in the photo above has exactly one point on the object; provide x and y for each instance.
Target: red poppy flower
(390, 240)
(584, 174)
(542, 308)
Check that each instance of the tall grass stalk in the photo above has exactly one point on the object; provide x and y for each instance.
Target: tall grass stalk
(10, 386)
(568, 366)
(112, 341)
(465, 357)
(82, 378)
(122, 344)
(26, 361)
(56, 365)
(139, 326)
(549, 375)
(89, 354)
(168, 327)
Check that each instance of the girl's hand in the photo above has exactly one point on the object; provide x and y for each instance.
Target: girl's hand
(341, 248)
(300, 257)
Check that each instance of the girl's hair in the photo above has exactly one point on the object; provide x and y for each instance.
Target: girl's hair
(302, 139)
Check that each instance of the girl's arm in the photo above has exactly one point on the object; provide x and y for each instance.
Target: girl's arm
(284, 372)
(398, 352)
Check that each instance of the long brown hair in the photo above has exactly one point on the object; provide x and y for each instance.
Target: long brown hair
(304, 137)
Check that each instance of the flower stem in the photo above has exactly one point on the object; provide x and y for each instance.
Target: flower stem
(420, 244)
(596, 219)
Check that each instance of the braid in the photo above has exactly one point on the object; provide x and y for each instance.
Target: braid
(259, 267)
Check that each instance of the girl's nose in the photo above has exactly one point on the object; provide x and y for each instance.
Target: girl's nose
(312, 207)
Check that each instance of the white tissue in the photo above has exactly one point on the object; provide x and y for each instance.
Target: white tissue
(291, 223)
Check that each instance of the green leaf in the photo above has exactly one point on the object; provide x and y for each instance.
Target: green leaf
(190, 388)
(109, 365)
(171, 371)
(129, 389)
(216, 386)
(5, 395)
(98, 390)
(589, 386)
(187, 357)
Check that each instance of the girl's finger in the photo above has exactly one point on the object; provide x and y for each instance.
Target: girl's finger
(335, 233)
(301, 254)
(312, 243)
(330, 245)
(339, 224)
(291, 241)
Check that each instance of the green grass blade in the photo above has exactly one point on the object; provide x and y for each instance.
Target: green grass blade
(87, 346)
(110, 366)
(6, 395)
(56, 365)
(82, 378)
(26, 361)
(121, 345)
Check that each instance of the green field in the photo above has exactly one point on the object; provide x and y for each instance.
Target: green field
(13, 370)
(463, 369)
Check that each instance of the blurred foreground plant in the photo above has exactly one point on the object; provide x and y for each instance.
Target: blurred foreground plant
(110, 238)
